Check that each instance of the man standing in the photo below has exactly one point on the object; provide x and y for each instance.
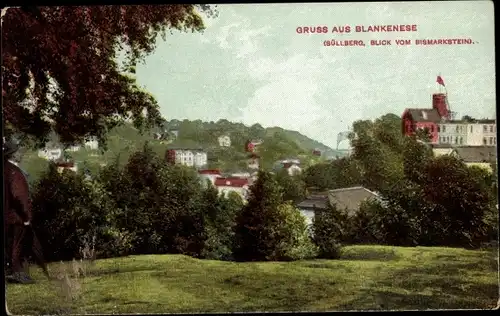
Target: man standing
(17, 213)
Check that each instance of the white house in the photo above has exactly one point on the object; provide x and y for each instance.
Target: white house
(92, 143)
(454, 133)
(292, 168)
(347, 199)
(200, 159)
(237, 185)
(188, 157)
(478, 133)
(50, 153)
(224, 141)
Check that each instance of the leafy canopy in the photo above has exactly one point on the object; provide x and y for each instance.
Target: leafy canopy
(59, 68)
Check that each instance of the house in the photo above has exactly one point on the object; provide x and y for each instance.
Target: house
(348, 199)
(316, 152)
(50, 153)
(251, 145)
(224, 141)
(253, 161)
(92, 143)
(292, 168)
(209, 174)
(232, 184)
(66, 165)
(311, 204)
(414, 119)
(192, 157)
(482, 156)
(476, 133)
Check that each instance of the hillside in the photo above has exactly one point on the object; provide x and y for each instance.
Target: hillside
(364, 278)
(278, 143)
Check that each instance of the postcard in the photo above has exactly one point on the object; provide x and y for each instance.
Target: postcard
(286, 157)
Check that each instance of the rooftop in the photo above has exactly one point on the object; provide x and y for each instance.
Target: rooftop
(477, 153)
(351, 198)
(424, 115)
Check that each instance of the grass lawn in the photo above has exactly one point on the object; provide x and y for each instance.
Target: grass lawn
(366, 277)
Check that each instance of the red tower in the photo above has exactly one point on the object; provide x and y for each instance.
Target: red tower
(440, 103)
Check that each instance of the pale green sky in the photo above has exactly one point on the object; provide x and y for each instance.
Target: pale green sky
(251, 66)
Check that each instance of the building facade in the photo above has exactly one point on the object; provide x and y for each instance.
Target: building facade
(185, 156)
(233, 184)
(224, 141)
(446, 131)
(477, 133)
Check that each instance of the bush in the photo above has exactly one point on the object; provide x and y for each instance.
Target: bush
(69, 210)
(157, 205)
(290, 228)
(328, 232)
(267, 229)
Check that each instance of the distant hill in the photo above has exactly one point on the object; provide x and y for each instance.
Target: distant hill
(278, 143)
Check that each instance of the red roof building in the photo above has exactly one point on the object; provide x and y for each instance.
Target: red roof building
(414, 119)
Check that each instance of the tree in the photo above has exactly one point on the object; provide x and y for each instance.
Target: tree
(377, 148)
(70, 211)
(219, 219)
(328, 232)
(415, 156)
(339, 173)
(460, 200)
(59, 68)
(294, 188)
(253, 230)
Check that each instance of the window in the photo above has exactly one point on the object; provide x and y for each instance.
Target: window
(491, 129)
(444, 128)
(491, 140)
(439, 128)
(471, 129)
(461, 140)
(485, 128)
(484, 141)
(457, 128)
(456, 140)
